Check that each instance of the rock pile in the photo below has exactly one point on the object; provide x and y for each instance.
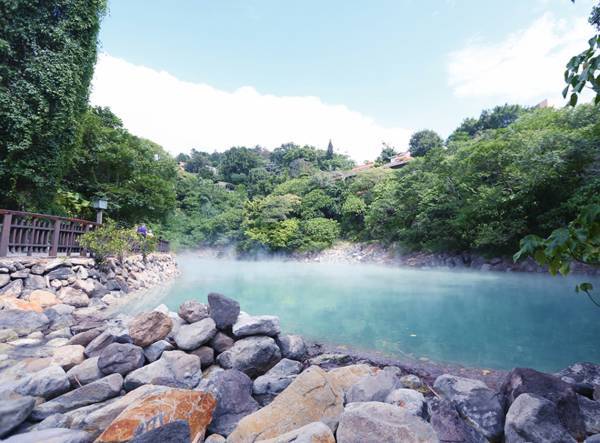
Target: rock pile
(213, 373)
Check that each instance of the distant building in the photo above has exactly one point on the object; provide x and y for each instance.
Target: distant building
(543, 104)
(364, 167)
(399, 160)
(226, 185)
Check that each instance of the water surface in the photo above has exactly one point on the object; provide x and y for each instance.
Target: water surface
(495, 320)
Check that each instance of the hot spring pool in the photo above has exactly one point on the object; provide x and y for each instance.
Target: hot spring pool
(495, 320)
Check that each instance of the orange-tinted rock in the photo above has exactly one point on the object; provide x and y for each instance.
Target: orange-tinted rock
(157, 410)
(44, 298)
(17, 303)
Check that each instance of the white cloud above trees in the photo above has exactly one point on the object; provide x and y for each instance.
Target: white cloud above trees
(182, 115)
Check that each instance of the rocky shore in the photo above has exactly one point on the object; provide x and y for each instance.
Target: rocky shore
(211, 372)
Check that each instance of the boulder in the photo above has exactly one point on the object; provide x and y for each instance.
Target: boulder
(23, 322)
(73, 297)
(174, 368)
(13, 412)
(68, 356)
(4, 280)
(591, 414)
(86, 286)
(279, 377)
(593, 439)
(35, 282)
(448, 424)
(43, 298)
(533, 418)
(149, 327)
(206, 355)
(13, 289)
(375, 387)
(247, 325)
(17, 303)
(215, 438)
(221, 342)
(193, 311)
(63, 273)
(96, 418)
(232, 390)
(524, 380)
(314, 395)
(292, 347)
(382, 422)
(107, 337)
(174, 432)
(47, 383)
(408, 400)
(315, 432)
(156, 349)
(95, 392)
(85, 373)
(582, 372)
(193, 336)
(51, 435)
(476, 402)
(411, 381)
(120, 358)
(84, 338)
(223, 310)
(154, 411)
(252, 355)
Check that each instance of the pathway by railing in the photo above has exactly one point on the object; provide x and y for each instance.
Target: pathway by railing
(27, 233)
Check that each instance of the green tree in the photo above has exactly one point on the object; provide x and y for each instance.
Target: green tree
(422, 142)
(47, 56)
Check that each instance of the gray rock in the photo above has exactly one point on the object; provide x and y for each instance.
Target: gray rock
(84, 338)
(448, 424)
(63, 273)
(174, 368)
(54, 421)
(193, 336)
(408, 400)
(524, 380)
(73, 297)
(534, 419)
(216, 438)
(582, 372)
(68, 356)
(47, 383)
(331, 360)
(60, 333)
(315, 432)
(411, 381)
(4, 280)
(86, 286)
(591, 414)
(13, 412)
(85, 373)
(247, 325)
(279, 377)
(206, 355)
(292, 347)
(221, 342)
(35, 282)
(476, 402)
(100, 390)
(252, 355)
(13, 289)
(121, 358)
(172, 432)
(596, 394)
(223, 310)
(155, 350)
(374, 387)
(95, 347)
(592, 439)
(193, 311)
(52, 435)
(233, 391)
(22, 322)
(382, 422)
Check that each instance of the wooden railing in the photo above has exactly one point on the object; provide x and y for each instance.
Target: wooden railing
(163, 246)
(26, 233)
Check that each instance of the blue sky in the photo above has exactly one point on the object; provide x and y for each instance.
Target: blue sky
(361, 72)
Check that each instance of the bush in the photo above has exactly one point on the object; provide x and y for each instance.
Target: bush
(108, 240)
(319, 233)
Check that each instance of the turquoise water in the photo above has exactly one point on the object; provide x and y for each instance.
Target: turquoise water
(495, 320)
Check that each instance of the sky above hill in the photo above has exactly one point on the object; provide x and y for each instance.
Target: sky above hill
(214, 74)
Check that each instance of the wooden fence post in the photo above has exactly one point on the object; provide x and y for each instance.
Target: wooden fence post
(5, 238)
(55, 237)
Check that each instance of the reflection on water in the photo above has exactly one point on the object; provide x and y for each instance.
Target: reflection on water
(496, 320)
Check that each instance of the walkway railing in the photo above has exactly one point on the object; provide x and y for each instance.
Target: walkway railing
(27, 233)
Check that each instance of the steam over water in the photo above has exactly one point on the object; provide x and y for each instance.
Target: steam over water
(496, 320)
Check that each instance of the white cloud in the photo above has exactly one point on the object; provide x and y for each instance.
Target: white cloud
(181, 115)
(525, 67)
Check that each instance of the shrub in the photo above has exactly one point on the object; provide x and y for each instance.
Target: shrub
(108, 240)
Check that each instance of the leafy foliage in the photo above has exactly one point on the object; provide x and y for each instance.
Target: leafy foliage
(424, 141)
(109, 240)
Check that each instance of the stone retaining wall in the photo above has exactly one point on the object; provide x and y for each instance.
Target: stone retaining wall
(37, 283)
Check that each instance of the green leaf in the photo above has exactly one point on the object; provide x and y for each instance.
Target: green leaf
(573, 100)
(565, 92)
